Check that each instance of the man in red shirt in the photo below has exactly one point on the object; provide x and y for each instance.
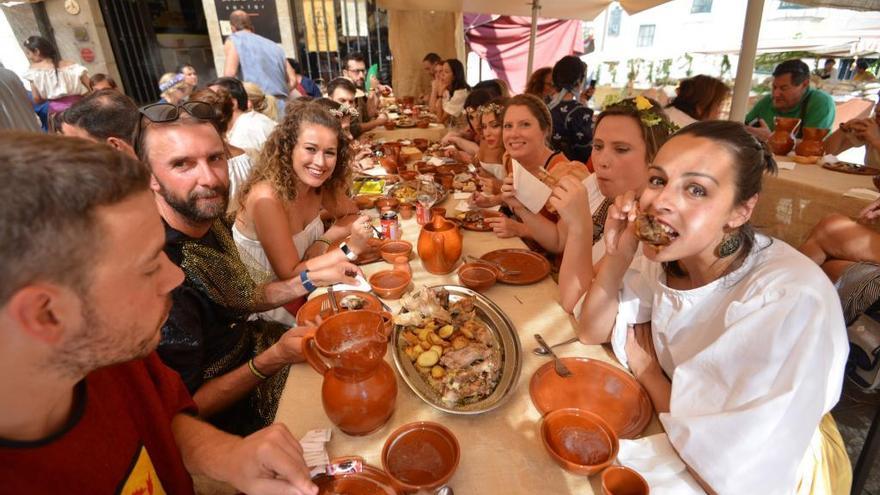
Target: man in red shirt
(84, 290)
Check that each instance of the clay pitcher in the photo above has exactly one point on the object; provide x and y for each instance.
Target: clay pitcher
(781, 141)
(360, 389)
(812, 144)
(439, 245)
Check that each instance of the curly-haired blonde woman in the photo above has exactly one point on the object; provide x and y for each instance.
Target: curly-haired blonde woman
(302, 170)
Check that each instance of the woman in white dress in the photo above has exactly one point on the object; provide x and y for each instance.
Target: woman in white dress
(448, 91)
(60, 82)
(301, 172)
(737, 338)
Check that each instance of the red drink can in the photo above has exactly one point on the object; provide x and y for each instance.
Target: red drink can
(423, 214)
(390, 226)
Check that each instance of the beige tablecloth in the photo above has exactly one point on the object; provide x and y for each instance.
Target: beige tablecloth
(795, 200)
(501, 451)
(433, 133)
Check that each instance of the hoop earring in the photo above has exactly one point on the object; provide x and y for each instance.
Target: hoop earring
(729, 245)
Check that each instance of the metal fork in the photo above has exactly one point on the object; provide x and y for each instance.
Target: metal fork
(561, 369)
(504, 271)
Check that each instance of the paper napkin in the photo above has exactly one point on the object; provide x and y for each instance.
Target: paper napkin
(530, 191)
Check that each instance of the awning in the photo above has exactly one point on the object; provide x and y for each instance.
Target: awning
(552, 9)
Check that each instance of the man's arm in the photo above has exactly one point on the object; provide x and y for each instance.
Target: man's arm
(291, 77)
(268, 461)
(230, 67)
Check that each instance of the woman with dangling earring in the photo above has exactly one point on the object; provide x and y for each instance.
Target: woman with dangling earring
(737, 338)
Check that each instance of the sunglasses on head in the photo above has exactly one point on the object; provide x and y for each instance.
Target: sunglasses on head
(159, 113)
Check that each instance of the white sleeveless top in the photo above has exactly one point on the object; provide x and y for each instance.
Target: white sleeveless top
(254, 257)
(239, 170)
(54, 84)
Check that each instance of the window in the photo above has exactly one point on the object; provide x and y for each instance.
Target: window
(646, 35)
(701, 6)
(614, 21)
(791, 5)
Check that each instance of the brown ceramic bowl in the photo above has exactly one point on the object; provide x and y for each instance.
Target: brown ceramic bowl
(388, 164)
(477, 276)
(390, 125)
(579, 441)
(445, 179)
(420, 456)
(423, 123)
(390, 250)
(421, 144)
(406, 211)
(387, 203)
(407, 174)
(390, 284)
(621, 480)
(452, 168)
(364, 201)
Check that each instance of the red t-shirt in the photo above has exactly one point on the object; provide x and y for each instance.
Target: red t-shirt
(118, 439)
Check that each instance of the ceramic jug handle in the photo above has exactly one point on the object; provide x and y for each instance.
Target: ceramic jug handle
(439, 247)
(387, 323)
(311, 355)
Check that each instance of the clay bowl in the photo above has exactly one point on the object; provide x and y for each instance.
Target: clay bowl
(621, 480)
(423, 123)
(425, 168)
(387, 203)
(421, 144)
(406, 211)
(452, 168)
(390, 125)
(364, 201)
(390, 250)
(420, 456)
(407, 174)
(390, 284)
(445, 179)
(579, 441)
(477, 276)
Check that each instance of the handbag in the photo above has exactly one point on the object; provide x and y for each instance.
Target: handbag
(863, 364)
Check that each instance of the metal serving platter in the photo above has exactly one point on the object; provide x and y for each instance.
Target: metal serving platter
(438, 193)
(511, 356)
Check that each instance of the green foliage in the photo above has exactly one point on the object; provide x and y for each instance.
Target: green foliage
(688, 64)
(725, 66)
(766, 62)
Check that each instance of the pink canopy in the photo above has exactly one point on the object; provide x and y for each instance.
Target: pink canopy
(503, 41)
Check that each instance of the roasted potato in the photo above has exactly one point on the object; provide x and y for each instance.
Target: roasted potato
(428, 359)
(438, 371)
(460, 343)
(446, 331)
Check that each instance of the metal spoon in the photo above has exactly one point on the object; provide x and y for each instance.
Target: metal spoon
(561, 369)
(543, 352)
(444, 490)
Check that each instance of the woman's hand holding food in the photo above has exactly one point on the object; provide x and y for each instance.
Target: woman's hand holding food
(508, 193)
(571, 200)
(337, 273)
(866, 130)
(481, 200)
(620, 238)
(361, 233)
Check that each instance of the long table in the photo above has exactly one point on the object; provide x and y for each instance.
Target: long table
(793, 202)
(501, 451)
(434, 132)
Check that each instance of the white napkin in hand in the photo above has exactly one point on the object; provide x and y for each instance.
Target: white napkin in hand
(376, 172)
(436, 161)
(862, 193)
(463, 206)
(461, 195)
(656, 460)
(362, 285)
(530, 191)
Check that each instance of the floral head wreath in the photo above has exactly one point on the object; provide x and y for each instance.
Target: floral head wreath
(643, 106)
(491, 108)
(174, 81)
(344, 110)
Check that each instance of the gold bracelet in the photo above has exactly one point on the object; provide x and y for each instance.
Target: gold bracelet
(324, 240)
(255, 371)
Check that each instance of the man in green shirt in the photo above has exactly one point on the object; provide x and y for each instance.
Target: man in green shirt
(792, 96)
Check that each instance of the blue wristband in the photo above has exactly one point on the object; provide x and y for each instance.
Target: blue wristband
(306, 281)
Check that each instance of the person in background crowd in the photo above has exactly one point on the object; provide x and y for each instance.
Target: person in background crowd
(737, 338)
(862, 73)
(344, 113)
(248, 129)
(793, 97)
(253, 58)
(697, 98)
(85, 287)
(190, 75)
(303, 171)
(429, 71)
(342, 90)
(467, 141)
(572, 121)
(60, 82)
(234, 366)
(541, 84)
(105, 116)
(855, 133)
(303, 86)
(355, 70)
(449, 91)
(16, 111)
(173, 88)
(496, 86)
(827, 71)
(101, 81)
(260, 101)
(239, 162)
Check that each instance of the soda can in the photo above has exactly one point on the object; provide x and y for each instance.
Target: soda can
(390, 226)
